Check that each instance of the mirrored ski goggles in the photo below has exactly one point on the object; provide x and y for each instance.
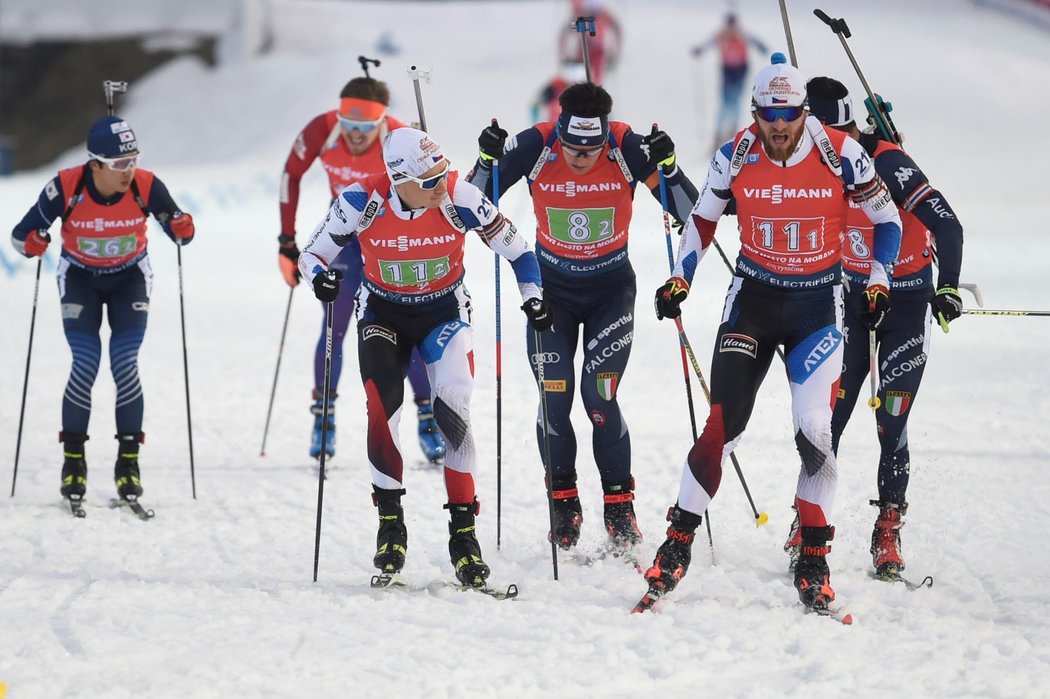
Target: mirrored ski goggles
(574, 152)
(124, 164)
(357, 124)
(771, 114)
(428, 182)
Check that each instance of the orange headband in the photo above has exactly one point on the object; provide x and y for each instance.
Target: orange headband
(361, 110)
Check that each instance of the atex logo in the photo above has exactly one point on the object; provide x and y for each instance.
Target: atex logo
(546, 358)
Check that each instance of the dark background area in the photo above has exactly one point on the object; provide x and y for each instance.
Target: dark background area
(51, 92)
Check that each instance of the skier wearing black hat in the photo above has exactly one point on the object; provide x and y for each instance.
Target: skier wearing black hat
(903, 338)
(582, 171)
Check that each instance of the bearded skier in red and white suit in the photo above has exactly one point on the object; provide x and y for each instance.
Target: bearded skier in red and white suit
(792, 183)
(411, 222)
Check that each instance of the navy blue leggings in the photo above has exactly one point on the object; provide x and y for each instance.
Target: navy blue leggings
(349, 263)
(125, 295)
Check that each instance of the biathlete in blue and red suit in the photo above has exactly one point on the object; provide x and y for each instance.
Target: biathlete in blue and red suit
(793, 183)
(104, 206)
(903, 338)
(582, 172)
(347, 141)
(412, 222)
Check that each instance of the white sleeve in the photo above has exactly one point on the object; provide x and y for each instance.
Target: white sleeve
(713, 199)
(333, 233)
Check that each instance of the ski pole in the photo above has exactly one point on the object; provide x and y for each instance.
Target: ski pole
(25, 382)
(878, 108)
(186, 371)
(681, 347)
(760, 517)
(277, 371)
(585, 27)
(687, 351)
(416, 73)
(546, 446)
(873, 371)
(499, 370)
(983, 312)
(365, 61)
(329, 311)
(787, 32)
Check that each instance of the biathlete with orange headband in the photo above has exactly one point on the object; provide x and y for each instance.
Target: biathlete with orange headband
(347, 141)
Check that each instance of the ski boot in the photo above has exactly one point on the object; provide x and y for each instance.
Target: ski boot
(74, 468)
(812, 576)
(620, 521)
(886, 540)
(392, 538)
(463, 547)
(430, 439)
(329, 439)
(126, 470)
(673, 556)
(793, 545)
(568, 514)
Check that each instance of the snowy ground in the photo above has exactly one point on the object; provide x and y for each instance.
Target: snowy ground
(214, 597)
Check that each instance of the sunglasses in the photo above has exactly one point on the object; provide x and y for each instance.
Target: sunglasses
(771, 114)
(580, 152)
(118, 164)
(362, 126)
(431, 182)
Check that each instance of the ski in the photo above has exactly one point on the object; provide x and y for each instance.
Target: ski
(386, 581)
(648, 600)
(76, 506)
(132, 502)
(838, 613)
(893, 577)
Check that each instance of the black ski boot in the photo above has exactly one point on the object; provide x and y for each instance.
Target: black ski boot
(568, 514)
(126, 470)
(463, 547)
(620, 521)
(74, 468)
(673, 556)
(392, 539)
(886, 539)
(812, 576)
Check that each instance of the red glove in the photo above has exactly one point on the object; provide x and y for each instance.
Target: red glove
(288, 259)
(35, 244)
(182, 227)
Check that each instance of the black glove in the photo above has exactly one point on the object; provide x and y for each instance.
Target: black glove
(669, 298)
(288, 248)
(326, 285)
(875, 306)
(660, 148)
(491, 141)
(947, 305)
(539, 314)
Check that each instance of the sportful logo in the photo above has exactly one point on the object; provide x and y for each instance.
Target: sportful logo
(778, 193)
(607, 330)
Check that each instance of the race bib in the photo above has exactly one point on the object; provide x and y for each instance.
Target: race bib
(580, 226)
(101, 248)
(413, 272)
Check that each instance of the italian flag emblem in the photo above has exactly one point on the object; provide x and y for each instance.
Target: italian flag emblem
(607, 385)
(897, 402)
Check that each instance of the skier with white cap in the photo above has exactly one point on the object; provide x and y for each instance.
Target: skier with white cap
(411, 222)
(793, 183)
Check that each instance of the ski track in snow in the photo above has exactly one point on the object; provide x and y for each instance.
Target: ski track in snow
(214, 596)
